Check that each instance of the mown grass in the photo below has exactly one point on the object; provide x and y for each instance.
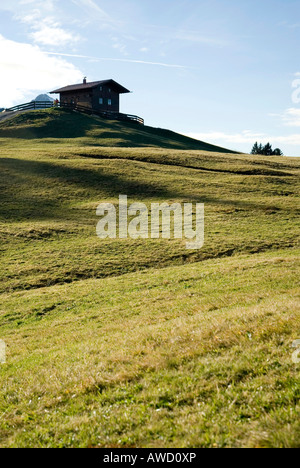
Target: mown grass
(144, 343)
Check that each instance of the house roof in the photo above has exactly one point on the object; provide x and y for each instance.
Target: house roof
(82, 86)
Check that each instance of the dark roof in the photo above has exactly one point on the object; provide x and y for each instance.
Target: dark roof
(82, 86)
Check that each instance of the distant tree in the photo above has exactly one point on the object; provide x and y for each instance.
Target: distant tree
(255, 149)
(266, 150)
(277, 152)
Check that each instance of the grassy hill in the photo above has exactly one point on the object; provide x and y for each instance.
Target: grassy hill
(63, 125)
(123, 343)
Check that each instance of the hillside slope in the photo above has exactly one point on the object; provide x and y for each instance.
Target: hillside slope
(63, 124)
(142, 343)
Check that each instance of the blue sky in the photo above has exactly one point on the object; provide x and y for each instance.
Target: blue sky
(224, 71)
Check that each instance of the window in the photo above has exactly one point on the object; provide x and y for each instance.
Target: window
(101, 101)
(109, 102)
(109, 90)
(101, 88)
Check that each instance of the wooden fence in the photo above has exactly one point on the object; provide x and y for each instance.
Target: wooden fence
(83, 109)
(105, 114)
(31, 106)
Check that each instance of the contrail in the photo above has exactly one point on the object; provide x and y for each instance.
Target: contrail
(168, 65)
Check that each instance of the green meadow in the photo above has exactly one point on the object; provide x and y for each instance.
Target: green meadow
(143, 343)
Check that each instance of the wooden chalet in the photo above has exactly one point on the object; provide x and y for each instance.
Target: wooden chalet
(101, 96)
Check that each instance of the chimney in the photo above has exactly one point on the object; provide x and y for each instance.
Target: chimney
(84, 80)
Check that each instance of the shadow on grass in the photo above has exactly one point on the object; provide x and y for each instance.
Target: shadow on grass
(46, 124)
(165, 161)
(20, 201)
(19, 178)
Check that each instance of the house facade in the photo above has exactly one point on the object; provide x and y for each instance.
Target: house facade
(103, 96)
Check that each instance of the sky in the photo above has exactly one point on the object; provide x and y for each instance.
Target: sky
(223, 71)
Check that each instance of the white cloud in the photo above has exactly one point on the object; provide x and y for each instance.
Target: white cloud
(195, 37)
(43, 27)
(291, 117)
(22, 6)
(95, 13)
(91, 5)
(119, 45)
(245, 137)
(47, 5)
(26, 69)
(47, 31)
(53, 35)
